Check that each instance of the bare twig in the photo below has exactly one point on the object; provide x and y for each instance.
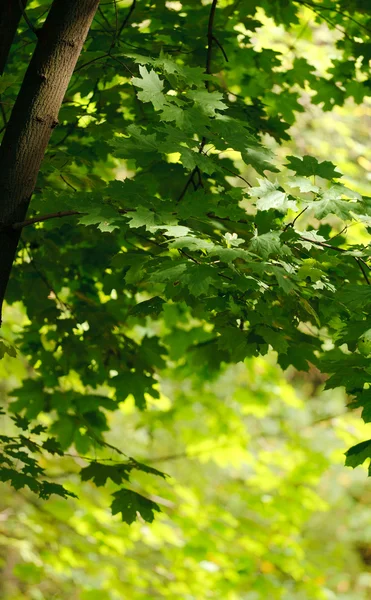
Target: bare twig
(188, 183)
(127, 18)
(67, 183)
(292, 223)
(43, 278)
(58, 215)
(62, 213)
(24, 15)
(3, 114)
(93, 60)
(189, 256)
(320, 7)
(359, 263)
(210, 39)
(236, 175)
(221, 48)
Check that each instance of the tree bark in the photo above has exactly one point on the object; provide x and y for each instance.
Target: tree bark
(10, 15)
(35, 115)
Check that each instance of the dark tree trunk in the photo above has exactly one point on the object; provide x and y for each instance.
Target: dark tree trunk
(35, 115)
(10, 15)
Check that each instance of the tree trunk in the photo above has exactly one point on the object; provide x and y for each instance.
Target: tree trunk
(10, 15)
(35, 115)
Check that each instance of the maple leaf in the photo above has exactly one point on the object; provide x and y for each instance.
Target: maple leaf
(99, 473)
(268, 244)
(130, 504)
(53, 446)
(271, 197)
(259, 158)
(330, 202)
(308, 165)
(21, 422)
(152, 87)
(142, 217)
(208, 102)
(303, 183)
(356, 455)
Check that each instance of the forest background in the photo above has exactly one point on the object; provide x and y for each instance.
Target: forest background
(178, 323)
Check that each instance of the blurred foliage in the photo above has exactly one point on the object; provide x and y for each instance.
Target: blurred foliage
(214, 266)
(257, 503)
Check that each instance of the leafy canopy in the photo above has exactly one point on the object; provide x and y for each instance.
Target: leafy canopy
(182, 241)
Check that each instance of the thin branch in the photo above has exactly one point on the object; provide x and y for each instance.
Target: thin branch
(121, 63)
(93, 60)
(359, 263)
(3, 114)
(57, 215)
(236, 175)
(60, 214)
(189, 256)
(299, 215)
(221, 48)
(188, 183)
(104, 17)
(292, 223)
(24, 15)
(345, 228)
(322, 244)
(320, 7)
(67, 183)
(210, 39)
(242, 221)
(43, 278)
(116, 27)
(314, 8)
(127, 18)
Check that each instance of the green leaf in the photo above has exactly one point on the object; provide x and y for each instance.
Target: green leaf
(356, 455)
(99, 473)
(21, 422)
(207, 102)
(148, 308)
(330, 202)
(268, 244)
(6, 348)
(270, 196)
(142, 217)
(308, 166)
(53, 446)
(131, 504)
(152, 88)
